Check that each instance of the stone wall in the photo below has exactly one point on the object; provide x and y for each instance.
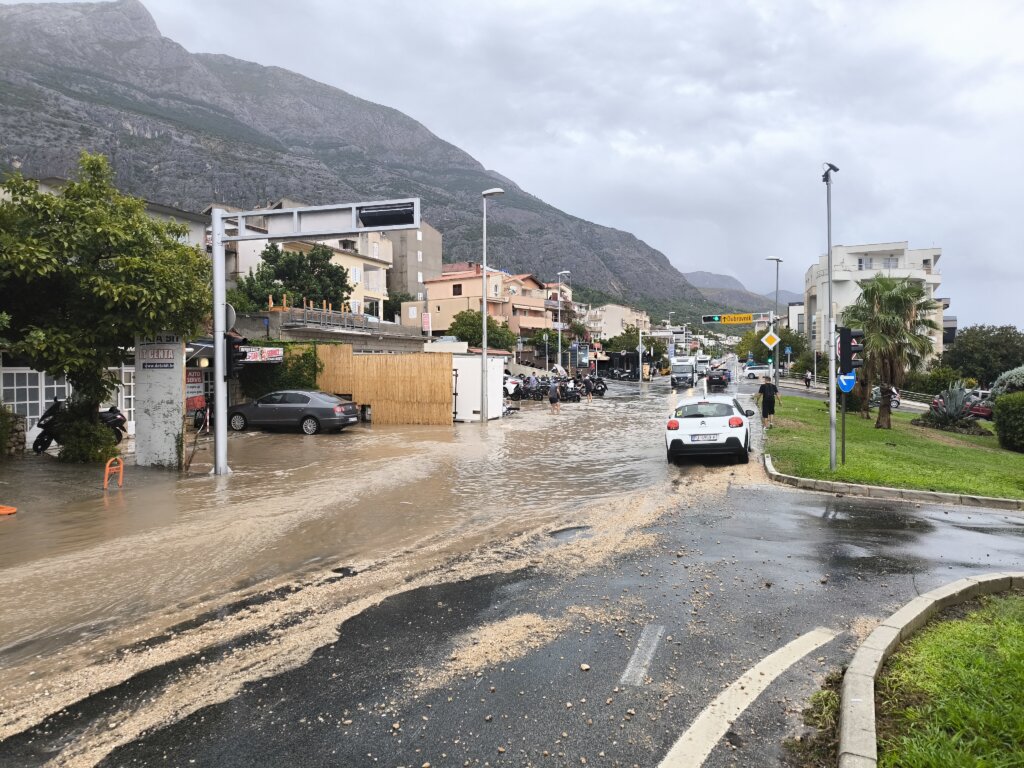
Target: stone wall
(16, 440)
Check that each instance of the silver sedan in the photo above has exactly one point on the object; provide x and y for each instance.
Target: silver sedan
(307, 409)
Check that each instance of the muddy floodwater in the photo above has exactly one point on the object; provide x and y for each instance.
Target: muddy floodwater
(83, 566)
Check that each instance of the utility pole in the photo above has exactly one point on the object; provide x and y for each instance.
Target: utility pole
(827, 178)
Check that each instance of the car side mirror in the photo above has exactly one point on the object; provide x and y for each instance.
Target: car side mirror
(749, 412)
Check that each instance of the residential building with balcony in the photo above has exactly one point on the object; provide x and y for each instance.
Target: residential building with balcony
(609, 320)
(852, 265)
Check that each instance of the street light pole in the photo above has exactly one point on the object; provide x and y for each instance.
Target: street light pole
(776, 316)
(483, 310)
(563, 272)
(827, 178)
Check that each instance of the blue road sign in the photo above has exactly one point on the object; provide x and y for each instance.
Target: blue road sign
(846, 381)
(789, 351)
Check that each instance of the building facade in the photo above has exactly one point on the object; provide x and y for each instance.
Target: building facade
(852, 265)
(416, 258)
(610, 320)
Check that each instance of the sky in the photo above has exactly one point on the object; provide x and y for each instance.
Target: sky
(701, 127)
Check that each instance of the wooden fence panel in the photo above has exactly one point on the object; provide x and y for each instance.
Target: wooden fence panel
(400, 389)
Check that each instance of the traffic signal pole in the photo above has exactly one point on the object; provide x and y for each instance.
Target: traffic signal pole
(827, 178)
(220, 368)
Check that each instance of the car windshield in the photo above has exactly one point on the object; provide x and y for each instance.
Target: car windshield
(682, 368)
(703, 410)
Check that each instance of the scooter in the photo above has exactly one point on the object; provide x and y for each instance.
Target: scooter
(50, 427)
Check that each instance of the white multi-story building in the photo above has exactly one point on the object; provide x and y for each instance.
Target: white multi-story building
(609, 320)
(853, 264)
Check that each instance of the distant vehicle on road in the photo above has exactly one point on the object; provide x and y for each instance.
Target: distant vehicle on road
(683, 373)
(306, 409)
(977, 405)
(756, 371)
(708, 426)
(717, 379)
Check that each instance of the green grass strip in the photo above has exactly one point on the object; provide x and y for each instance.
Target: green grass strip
(954, 694)
(905, 456)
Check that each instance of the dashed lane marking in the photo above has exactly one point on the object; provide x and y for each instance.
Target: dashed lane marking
(636, 670)
(694, 746)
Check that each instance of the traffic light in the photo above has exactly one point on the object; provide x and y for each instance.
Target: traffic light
(711, 318)
(851, 345)
(770, 358)
(234, 355)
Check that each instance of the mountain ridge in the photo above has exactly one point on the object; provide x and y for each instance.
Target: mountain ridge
(189, 129)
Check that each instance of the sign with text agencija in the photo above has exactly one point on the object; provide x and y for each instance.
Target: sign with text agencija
(159, 399)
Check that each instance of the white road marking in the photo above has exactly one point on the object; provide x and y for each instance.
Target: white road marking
(694, 746)
(636, 670)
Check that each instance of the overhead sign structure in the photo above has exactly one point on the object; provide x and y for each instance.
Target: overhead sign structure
(729, 319)
(770, 339)
(846, 381)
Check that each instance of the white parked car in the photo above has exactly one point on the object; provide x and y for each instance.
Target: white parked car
(757, 371)
(713, 425)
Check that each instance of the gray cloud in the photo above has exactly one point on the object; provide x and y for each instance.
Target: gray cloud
(700, 127)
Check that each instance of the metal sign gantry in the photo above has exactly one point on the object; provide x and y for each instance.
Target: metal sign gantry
(317, 222)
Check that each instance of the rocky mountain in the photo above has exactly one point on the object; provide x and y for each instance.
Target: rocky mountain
(711, 280)
(730, 292)
(189, 129)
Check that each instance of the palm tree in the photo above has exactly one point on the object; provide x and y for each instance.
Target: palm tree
(895, 315)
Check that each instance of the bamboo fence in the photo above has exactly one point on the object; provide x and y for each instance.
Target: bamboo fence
(413, 388)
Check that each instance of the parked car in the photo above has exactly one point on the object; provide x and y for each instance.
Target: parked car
(305, 409)
(757, 371)
(708, 426)
(717, 379)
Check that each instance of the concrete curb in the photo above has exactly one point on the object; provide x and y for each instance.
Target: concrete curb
(858, 743)
(883, 492)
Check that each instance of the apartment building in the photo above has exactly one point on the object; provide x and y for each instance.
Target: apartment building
(610, 320)
(416, 258)
(853, 264)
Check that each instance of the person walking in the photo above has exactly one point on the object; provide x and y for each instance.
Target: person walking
(588, 388)
(807, 379)
(553, 396)
(766, 396)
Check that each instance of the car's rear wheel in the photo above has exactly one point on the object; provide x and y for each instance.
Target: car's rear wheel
(309, 425)
(744, 456)
(668, 457)
(238, 422)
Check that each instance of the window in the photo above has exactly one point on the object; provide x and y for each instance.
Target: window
(419, 234)
(891, 262)
(456, 289)
(357, 275)
(412, 313)
(274, 398)
(295, 398)
(376, 250)
(419, 277)
(419, 296)
(419, 256)
(865, 263)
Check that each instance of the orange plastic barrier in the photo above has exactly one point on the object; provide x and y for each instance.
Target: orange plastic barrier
(118, 467)
(7, 510)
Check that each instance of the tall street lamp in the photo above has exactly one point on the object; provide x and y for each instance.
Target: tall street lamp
(483, 310)
(563, 272)
(776, 315)
(827, 178)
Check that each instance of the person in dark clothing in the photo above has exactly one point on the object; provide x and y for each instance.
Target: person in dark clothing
(553, 397)
(588, 387)
(766, 396)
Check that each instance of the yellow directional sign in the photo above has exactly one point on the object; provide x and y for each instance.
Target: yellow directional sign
(770, 339)
(737, 319)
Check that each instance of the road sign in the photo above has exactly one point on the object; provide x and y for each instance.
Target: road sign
(640, 348)
(846, 381)
(770, 339)
(729, 319)
(788, 351)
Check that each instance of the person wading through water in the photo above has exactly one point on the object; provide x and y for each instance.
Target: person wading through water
(766, 396)
(553, 398)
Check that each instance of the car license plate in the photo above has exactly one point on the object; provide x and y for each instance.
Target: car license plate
(705, 438)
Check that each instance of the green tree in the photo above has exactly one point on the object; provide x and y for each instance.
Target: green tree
(466, 326)
(629, 339)
(985, 351)
(393, 304)
(85, 271)
(301, 275)
(895, 317)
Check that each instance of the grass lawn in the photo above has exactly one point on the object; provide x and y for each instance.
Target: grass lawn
(902, 457)
(953, 695)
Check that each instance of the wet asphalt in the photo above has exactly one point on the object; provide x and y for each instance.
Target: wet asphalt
(724, 585)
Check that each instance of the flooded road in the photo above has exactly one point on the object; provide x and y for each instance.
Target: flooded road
(81, 565)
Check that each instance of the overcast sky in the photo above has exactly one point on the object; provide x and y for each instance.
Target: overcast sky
(701, 127)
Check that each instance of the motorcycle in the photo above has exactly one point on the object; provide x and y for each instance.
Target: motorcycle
(514, 388)
(51, 428)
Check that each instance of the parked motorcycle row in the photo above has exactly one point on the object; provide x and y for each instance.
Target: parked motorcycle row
(51, 426)
(569, 389)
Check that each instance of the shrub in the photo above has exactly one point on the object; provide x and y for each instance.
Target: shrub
(6, 425)
(1009, 419)
(951, 407)
(298, 371)
(1009, 381)
(86, 442)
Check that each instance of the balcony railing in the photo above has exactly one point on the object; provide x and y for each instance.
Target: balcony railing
(326, 318)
